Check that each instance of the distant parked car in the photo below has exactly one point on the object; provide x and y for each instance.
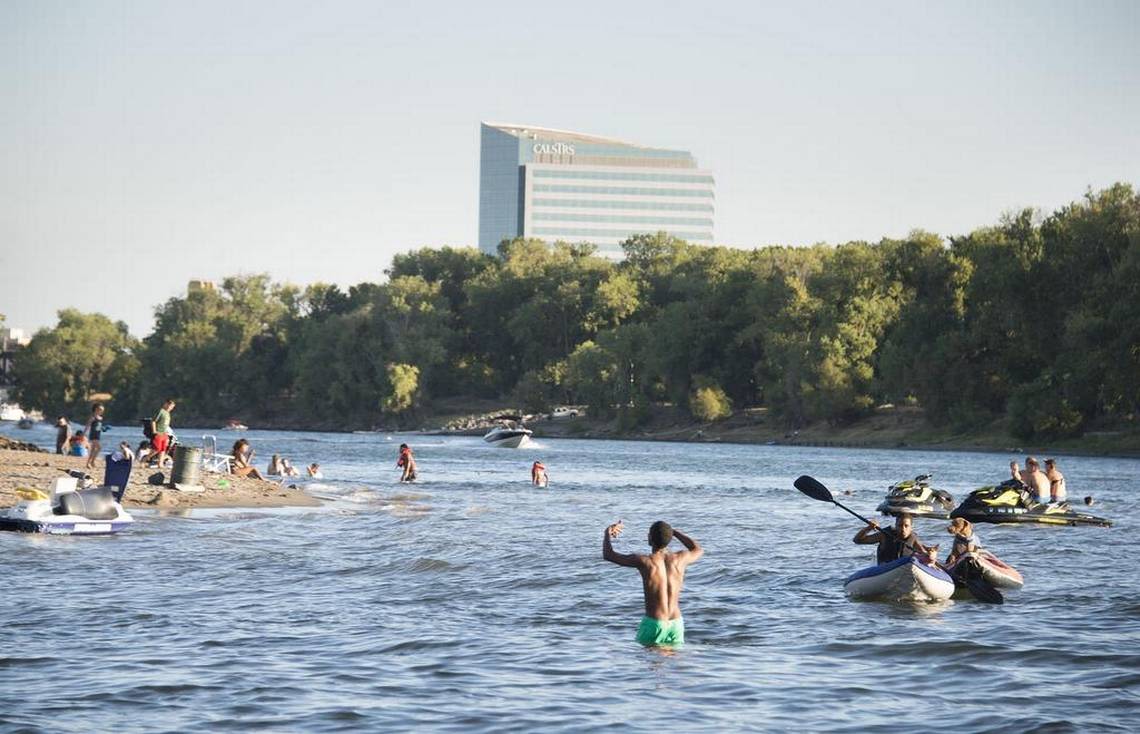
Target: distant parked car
(564, 412)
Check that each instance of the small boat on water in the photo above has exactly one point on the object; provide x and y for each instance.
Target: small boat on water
(907, 579)
(509, 434)
(1012, 502)
(25, 423)
(66, 511)
(916, 497)
(233, 424)
(997, 573)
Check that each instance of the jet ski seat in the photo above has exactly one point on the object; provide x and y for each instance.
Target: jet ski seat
(97, 503)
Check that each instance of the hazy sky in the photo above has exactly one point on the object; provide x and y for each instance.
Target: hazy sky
(144, 144)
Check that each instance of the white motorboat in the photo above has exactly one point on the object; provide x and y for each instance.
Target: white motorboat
(10, 412)
(66, 511)
(508, 437)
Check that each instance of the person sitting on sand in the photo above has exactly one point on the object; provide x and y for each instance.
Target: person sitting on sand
(1057, 491)
(275, 469)
(407, 462)
(964, 539)
(78, 445)
(538, 476)
(1036, 480)
(895, 543)
(662, 576)
(241, 460)
(144, 452)
(315, 471)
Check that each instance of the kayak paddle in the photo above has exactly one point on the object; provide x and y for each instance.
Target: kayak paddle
(981, 589)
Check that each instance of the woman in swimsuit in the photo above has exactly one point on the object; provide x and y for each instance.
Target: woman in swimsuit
(241, 457)
(94, 432)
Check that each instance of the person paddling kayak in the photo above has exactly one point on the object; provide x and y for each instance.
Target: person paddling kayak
(894, 543)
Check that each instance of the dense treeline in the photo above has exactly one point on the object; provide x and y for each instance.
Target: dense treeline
(1035, 320)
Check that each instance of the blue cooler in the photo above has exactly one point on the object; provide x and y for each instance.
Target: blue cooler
(118, 474)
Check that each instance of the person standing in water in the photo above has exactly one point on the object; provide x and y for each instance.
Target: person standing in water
(538, 475)
(1057, 491)
(1035, 479)
(407, 462)
(662, 576)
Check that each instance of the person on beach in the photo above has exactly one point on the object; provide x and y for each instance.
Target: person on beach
(407, 462)
(964, 539)
(1057, 491)
(78, 445)
(538, 476)
(288, 469)
(94, 429)
(895, 543)
(315, 471)
(241, 460)
(275, 468)
(62, 434)
(1015, 472)
(161, 440)
(143, 452)
(1035, 479)
(662, 576)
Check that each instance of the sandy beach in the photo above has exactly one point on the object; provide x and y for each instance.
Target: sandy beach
(21, 468)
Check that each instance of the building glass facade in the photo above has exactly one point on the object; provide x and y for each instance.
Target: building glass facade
(559, 185)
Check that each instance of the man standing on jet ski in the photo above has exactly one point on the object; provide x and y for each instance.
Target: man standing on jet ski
(895, 543)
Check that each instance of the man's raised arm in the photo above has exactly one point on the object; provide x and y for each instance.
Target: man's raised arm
(608, 552)
(695, 550)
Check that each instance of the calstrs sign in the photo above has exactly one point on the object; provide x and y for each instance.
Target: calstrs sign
(553, 148)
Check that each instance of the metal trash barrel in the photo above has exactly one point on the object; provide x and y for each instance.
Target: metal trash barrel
(187, 465)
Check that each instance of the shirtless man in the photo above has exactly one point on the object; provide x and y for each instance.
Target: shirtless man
(662, 576)
(1035, 479)
(1057, 491)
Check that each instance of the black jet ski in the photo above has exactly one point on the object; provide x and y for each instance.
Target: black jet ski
(1012, 501)
(916, 497)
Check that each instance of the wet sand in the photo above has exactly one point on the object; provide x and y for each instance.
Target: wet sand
(36, 470)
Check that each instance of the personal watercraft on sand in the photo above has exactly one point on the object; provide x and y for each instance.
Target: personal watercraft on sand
(907, 579)
(916, 497)
(1011, 501)
(66, 511)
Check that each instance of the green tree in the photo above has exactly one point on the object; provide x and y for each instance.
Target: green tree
(63, 368)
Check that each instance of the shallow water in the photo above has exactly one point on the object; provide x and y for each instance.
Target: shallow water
(470, 601)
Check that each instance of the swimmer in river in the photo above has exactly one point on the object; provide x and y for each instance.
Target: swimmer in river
(662, 576)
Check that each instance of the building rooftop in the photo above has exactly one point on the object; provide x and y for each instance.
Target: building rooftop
(534, 132)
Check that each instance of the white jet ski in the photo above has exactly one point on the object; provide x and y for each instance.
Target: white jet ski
(66, 511)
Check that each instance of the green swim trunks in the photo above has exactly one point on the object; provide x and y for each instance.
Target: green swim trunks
(661, 631)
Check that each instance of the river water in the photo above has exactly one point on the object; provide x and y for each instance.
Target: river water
(471, 601)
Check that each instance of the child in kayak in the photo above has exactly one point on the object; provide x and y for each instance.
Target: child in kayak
(895, 543)
(964, 539)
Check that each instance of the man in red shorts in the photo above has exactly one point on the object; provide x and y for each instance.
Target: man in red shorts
(161, 440)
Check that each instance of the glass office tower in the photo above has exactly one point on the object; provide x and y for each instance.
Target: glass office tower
(559, 185)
